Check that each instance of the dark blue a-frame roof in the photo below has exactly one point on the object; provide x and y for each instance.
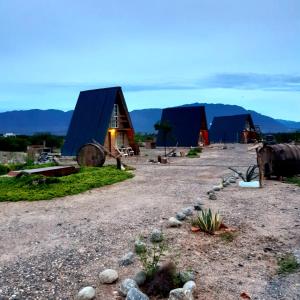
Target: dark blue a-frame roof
(228, 129)
(186, 123)
(91, 118)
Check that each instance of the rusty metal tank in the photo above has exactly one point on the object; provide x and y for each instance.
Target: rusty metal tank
(279, 160)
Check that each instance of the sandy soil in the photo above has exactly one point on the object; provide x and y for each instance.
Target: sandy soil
(50, 249)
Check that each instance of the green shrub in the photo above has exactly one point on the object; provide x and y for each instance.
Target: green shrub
(194, 152)
(294, 180)
(228, 236)
(4, 169)
(151, 257)
(207, 221)
(288, 264)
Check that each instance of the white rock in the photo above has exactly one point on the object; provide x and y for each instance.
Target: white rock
(188, 211)
(127, 259)
(108, 276)
(181, 294)
(126, 285)
(86, 293)
(173, 222)
(136, 294)
(190, 285)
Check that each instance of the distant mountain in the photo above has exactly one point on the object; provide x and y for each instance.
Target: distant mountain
(35, 120)
(57, 121)
(291, 125)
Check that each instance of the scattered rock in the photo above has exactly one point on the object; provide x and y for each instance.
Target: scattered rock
(190, 285)
(135, 294)
(180, 216)
(173, 222)
(126, 285)
(232, 180)
(140, 247)
(181, 294)
(108, 276)
(86, 293)
(212, 197)
(186, 276)
(127, 259)
(297, 255)
(156, 236)
(198, 206)
(217, 188)
(140, 278)
(225, 184)
(188, 211)
(210, 192)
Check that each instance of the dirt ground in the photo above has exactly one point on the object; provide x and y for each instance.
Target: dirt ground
(50, 249)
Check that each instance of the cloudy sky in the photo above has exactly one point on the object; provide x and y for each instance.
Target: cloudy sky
(162, 52)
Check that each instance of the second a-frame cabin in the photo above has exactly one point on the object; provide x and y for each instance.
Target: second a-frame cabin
(233, 129)
(100, 115)
(188, 127)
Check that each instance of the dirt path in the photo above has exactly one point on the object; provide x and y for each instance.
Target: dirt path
(50, 249)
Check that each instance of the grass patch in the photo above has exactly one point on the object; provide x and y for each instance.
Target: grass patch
(36, 187)
(288, 264)
(294, 180)
(228, 237)
(194, 152)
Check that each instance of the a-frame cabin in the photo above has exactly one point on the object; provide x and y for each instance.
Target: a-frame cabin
(100, 115)
(188, 127)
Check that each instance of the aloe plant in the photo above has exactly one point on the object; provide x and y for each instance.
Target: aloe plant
(208, 221)
(250, 174)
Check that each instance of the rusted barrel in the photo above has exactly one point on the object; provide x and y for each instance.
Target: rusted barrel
(90, 155)
(279, 160)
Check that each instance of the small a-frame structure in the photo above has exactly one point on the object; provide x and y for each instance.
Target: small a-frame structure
(100, 115)
(188, 126)
(233, 129)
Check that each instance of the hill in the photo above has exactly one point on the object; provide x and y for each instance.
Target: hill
(57, 121)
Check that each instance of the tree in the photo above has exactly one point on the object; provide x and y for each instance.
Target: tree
(165, 128)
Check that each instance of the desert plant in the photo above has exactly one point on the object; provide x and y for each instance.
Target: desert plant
(228, 236)
(288, 264)
(208, 221)
(151, 257)
(249, 175)
(194, 152)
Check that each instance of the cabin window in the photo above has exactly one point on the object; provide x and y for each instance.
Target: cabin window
(114, 118)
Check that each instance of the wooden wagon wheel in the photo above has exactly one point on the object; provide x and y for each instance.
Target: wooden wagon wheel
(91, 155)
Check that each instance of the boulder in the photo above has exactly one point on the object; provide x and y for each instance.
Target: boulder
(188, 211)
(173, 222)
(190, 285)
(126, 285)
(180, 216)
(198, 205)
(156, 236)
(127, 259)
(140, 278)
(86, 293)
(212, 197)
(181, 294)
(108, 276)
(217, 188)
(136, 294)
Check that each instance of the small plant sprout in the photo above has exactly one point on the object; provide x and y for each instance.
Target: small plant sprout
(288, 264)
(208, 221)
(151, 257)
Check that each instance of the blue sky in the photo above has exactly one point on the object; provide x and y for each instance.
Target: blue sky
(163, 53)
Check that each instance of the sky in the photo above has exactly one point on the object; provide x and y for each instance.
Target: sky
(162, 52)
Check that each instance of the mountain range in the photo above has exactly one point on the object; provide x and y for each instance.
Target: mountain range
(57, 121)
